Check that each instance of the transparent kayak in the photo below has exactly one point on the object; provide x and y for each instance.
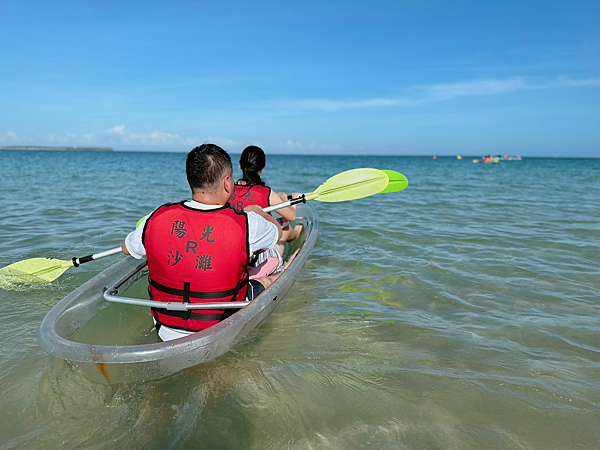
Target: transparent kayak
(111, 364)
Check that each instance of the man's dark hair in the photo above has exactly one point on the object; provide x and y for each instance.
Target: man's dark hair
(206, 166)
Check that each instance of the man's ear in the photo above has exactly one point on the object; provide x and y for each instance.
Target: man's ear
(226, 184)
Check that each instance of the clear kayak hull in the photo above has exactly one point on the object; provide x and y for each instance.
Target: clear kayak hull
(110, 364)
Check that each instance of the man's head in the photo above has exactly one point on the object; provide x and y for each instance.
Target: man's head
(206, 166)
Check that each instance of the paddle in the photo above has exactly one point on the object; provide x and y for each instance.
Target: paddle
(44, 270)
(345, 186)
(397, 182)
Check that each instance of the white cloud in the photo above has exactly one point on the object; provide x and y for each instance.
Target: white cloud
(66, 139)
(121, 137)
(90, 138)
(155, 137)
(334, 105)
(449, 91)
(434, 93)
(309, 147)
(120, 134)
(9, 137)
(579, 83)
(117, 129)
(292, 145)
(226, 143)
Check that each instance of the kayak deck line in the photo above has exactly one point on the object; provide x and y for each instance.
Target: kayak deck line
(112, 364)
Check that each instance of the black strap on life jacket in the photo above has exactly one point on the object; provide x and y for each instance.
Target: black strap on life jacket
(185, 315)
(230, 311)
(186, 293)
(193, 316)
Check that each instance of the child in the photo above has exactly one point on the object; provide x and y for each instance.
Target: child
(251, 190)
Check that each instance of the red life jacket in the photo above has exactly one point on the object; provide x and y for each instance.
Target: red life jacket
(250, 194)
(196, 256)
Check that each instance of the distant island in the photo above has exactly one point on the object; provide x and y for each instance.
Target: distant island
(70, 149)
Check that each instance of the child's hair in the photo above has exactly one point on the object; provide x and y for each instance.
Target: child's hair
(252, 161)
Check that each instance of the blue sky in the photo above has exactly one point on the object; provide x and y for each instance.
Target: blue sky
(328, 77)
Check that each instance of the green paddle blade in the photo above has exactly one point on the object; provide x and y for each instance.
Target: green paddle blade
(140, 221)
(396, 181)
(350, 185)
(33, 271)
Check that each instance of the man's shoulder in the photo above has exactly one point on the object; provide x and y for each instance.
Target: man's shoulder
(168, 205)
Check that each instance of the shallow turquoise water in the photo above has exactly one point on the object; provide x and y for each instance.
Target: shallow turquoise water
(461, 313)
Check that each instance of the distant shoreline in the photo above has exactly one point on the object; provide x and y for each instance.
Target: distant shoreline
(465, 158)
(68, 149)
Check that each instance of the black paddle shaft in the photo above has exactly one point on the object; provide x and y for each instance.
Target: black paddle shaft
(78, 261)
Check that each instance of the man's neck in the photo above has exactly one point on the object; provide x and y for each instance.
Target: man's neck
(208, 199)
(220, 196)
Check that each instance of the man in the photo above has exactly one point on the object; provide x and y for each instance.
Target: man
(198, 250)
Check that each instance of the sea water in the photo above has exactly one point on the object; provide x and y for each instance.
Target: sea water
(461, 313)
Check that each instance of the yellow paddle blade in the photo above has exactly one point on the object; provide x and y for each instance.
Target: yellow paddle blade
(397, 181)
(350, 185)
(33, 271)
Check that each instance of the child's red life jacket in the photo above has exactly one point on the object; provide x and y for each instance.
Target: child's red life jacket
(250, 194)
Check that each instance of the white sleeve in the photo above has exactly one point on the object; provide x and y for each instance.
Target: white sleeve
(262, 234)
(133, 241)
